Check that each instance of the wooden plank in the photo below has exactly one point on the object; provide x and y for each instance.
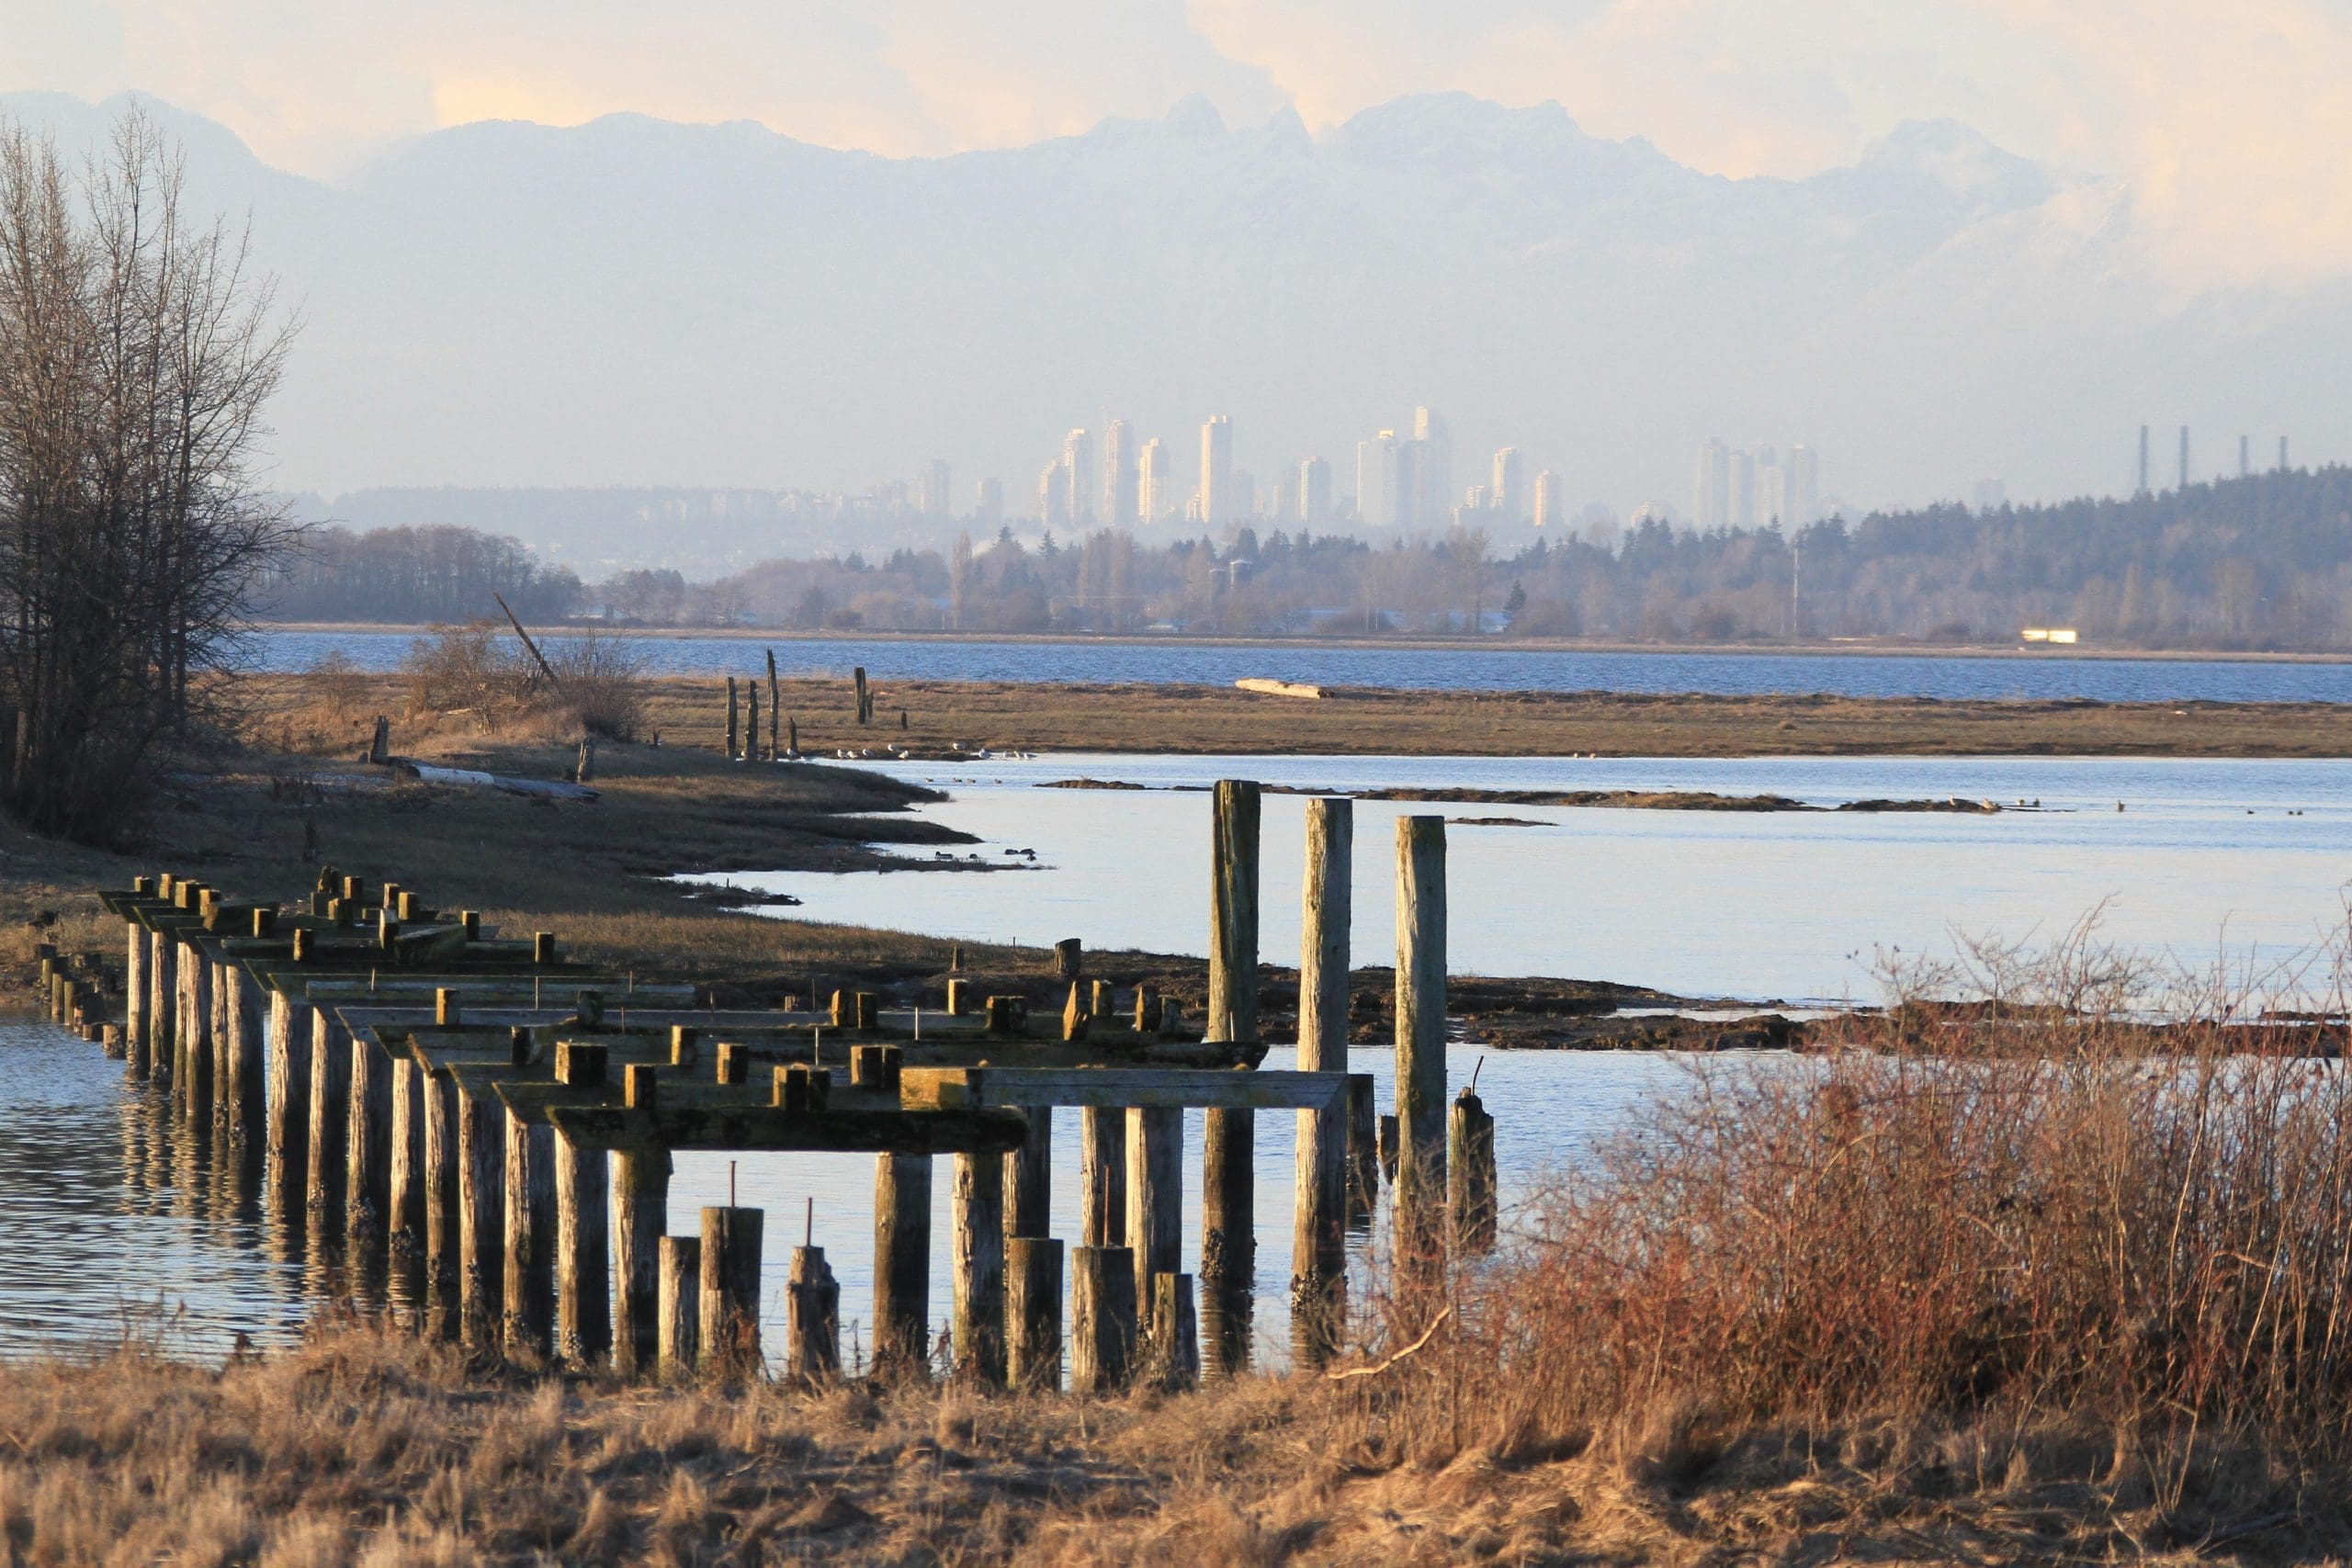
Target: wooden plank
(770, 1129)
(1186, 1089)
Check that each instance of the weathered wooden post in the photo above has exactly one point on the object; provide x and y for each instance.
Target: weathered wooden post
(865, 697)
(582, 1223)
(1470, 1173)
(730, 1291)
(369, 1159)
(1363, 1150)
(976, 1250)
(163, 1025)
(134, 992)
(404, 1198)
(444, 1224)
(1421, 1049)
(482, 1219)
(730, 719)
(751, 726)
(249, 1048)
(330, 1135)
(527, 1294)
(812, 1320)
(1155, 1196)
(1319, 1239)
(1102, 1318)
(195, 1049)
(1229, 1174)
(1069, 957)
(678, 1307)
(901, 1264)
(1102, 1176)
(1033, 1313)
(776, 707)
(286, 1119)
(641, 1215)
(1175, 1353)
(1028, 1177)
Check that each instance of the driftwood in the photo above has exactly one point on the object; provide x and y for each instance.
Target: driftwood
(469, 778)
(1272, 688)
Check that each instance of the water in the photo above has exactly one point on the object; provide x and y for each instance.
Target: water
(1948, 676)
(1795, 906)
(117, 1221)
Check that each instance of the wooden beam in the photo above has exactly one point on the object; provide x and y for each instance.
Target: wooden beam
(1184, 1088)
(761, 1128)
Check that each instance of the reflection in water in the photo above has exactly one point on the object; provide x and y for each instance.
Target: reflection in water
(122, 1218)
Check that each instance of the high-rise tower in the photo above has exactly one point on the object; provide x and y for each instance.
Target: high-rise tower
(1119, 478)
(1315, 492)
(1507, 494)
(1547, 499)
(1714, 510)
(1078, 463)
(1433, 466)
(1215, 494)
(1155, 494)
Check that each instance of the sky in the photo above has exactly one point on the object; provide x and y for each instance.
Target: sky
(2227, 117)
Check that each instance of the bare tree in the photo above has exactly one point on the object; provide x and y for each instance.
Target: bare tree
(137, 352)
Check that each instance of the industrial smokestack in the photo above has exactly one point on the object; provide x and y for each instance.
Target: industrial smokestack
(2282, 454)
(2184, 456)
(2144, 461)
(2246, 455)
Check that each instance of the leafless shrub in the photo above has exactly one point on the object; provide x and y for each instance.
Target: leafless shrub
(337, 684)
(471, 669)
(602, 678)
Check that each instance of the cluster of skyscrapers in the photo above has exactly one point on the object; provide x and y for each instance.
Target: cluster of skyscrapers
(1756, 486)
(1402, 483)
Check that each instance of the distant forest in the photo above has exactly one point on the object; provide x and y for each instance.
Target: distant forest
(2264, 562)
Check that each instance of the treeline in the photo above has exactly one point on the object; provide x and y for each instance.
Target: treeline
(415, 576)
(2263, 562)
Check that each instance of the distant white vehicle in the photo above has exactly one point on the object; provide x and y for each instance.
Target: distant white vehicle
(2048, 634)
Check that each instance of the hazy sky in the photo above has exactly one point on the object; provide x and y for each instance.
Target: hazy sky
(2228, 116)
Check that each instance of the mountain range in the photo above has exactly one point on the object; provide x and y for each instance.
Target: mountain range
(639, 303)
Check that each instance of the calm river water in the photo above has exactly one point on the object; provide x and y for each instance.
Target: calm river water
(118, 1222)
(1458, 668)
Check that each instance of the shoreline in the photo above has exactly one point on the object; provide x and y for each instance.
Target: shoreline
(1839, 648)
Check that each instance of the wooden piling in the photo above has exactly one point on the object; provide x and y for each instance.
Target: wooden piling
(1155, 1195)
(957, 1002)
(976, 1250)
(901, 1264)
(134, 998)
(1421, 1047)
(161, 1022)
(1033, 1313)
(864, 696)
(776, 707)
(528, 1295)
(1102, 1176)
(248, 1020)
(1028, 1177)
(1103, 1324)
(482, 1220)
(812, 1318)
(195, 1082)
(730, 1292)
(751, 726)
(442, 1222)
(1069, 958)
(368, 1164)
(640, 1214)
(1228, 1178)
(327, 1187)
(1174, 1342)
(1363, 1150)
(731, 750)
(1470, 1173)
(286, 1119)
(1319, 1235)
(404, 1201)
(678, 1307)
(583, 1255)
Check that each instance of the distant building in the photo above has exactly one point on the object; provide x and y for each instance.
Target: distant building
(1286, 500)
(1803, 487)
(1120, 482)
(1432, 466)
(1156, 497)
(1740, 509)
(1078, 468)
(1988, 495)
(1315, 492)
(1216, 493)
(988, 502)
(1377, 480)
(1507, 494)
(1548, 509)
(936, 497)
(1053, 494)
(1714, 510)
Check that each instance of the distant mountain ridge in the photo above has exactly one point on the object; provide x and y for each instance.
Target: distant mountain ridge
(637, 303)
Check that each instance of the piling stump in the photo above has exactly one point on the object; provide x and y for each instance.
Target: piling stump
(730, 1292)
(1033, 1313)
(812, 1330)
(678, 1307)
(1102, 1318)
